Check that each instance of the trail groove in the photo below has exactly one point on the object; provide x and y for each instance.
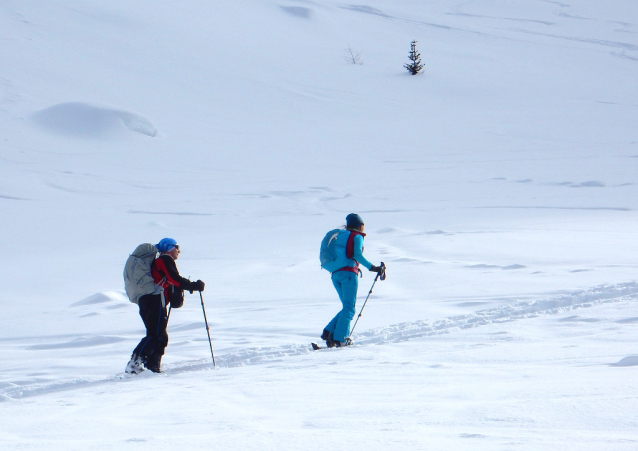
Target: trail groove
(380, 336)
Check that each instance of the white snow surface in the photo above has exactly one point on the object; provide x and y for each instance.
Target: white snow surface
(499, 186)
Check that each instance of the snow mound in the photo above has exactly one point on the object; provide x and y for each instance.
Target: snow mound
(82, 120)
(81, 342)
(632, 360)
(101, 298)
(298, 11)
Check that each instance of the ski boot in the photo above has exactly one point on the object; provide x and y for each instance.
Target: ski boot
(153, 363)
(135, 365)
(327, 336)
(346, 342)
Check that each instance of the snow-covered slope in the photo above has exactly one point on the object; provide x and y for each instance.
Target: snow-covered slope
(498, 186)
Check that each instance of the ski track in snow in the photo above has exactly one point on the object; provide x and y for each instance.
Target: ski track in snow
(387, 335)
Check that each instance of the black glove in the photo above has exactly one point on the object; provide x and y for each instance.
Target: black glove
(380, 270)
(197, 286)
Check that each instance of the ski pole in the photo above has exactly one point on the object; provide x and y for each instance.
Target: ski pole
(382, 276)
(207, 329)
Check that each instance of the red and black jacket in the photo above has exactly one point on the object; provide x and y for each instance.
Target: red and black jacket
(165, 274)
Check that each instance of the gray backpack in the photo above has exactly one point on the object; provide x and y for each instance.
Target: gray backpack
(138, 280)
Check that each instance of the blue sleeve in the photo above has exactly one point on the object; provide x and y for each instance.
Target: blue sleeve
(358, 252)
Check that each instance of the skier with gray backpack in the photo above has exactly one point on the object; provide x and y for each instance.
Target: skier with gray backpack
(341, 254)
(154, 284)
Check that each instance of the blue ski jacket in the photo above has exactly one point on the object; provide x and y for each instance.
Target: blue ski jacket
(342, 260)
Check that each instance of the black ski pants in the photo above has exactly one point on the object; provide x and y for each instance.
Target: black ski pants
(151, 347)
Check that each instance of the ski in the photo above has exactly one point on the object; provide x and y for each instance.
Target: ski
(316, 347)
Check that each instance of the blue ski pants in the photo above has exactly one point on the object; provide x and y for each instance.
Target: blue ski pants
(346, 283)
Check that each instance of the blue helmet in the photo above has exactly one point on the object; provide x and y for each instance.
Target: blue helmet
(166, 244)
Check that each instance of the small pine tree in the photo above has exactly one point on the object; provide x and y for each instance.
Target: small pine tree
(353, 57)
(415, 66)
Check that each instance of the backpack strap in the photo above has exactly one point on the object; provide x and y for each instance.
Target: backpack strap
(350, 253)
(350, 243)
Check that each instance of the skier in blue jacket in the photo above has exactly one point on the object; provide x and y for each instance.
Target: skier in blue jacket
(349, 250)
